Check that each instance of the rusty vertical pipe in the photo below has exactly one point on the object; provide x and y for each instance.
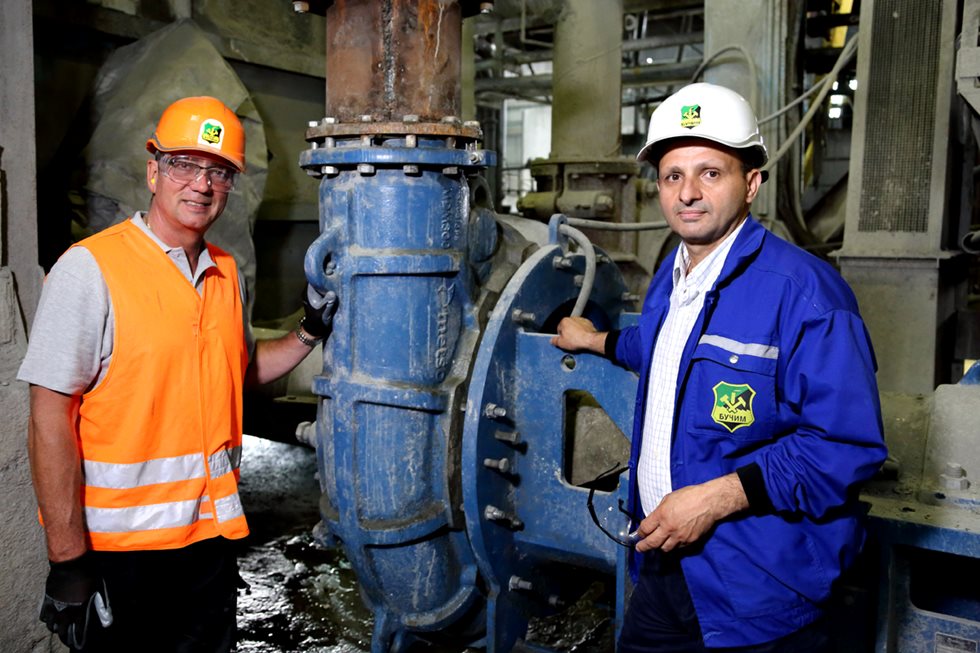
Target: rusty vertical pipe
(467, 80)
(587, 80)
(392, 58)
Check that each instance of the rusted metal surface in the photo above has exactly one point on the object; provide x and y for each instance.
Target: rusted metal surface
(390, 58)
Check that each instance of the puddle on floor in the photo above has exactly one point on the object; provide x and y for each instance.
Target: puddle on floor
(301, 597)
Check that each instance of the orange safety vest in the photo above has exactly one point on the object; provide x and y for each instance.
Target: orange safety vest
(160, 436)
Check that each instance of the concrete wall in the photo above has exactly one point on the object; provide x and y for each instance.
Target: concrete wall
(22, 559)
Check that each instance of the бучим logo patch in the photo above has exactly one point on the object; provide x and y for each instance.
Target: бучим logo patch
(733, 405)
(691, 116)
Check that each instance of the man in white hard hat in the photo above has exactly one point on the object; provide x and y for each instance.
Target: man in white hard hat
(757, 409)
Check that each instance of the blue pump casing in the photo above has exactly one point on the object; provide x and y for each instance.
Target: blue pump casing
(449, 543)
(393, 247)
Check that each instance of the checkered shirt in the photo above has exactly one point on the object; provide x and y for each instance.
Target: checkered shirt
(686, 301)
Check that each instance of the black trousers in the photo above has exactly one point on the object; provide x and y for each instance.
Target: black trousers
(176, 601)
(660, 618)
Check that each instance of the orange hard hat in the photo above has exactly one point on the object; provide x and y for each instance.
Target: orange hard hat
(201, 124)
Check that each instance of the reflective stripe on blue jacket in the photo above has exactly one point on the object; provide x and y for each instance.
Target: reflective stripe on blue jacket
(777, 383)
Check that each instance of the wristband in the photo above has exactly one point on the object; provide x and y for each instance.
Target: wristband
(302, 337)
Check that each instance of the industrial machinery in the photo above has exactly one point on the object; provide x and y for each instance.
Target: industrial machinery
(586, 175)
(924, 523)
(446, 468)
(456, 447)
(911, 200)
(458, 451)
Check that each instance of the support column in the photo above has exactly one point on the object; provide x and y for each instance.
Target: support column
(586, 176)
(587, 80)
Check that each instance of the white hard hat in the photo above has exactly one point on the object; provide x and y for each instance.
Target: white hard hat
(706, 111)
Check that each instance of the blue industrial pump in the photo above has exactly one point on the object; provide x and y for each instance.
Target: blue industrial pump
(449, 428)
(459, 453)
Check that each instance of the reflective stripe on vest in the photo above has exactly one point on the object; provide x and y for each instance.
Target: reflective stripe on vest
(121, 476)
(160, 515)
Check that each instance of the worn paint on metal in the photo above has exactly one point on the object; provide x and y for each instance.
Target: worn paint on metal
(531, 520)
(394, 247)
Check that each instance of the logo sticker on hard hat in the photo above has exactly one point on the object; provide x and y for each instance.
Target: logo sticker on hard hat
(691, 116)
(212, 132)
(733, 405)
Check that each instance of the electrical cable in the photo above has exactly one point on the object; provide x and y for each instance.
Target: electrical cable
(616, 226)
(589, 277)
(753, 70)
(847, 53)
(813, 89)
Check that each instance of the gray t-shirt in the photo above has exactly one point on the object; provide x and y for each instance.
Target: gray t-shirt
(72, 336)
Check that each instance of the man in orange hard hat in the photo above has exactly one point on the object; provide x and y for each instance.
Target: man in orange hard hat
(138, 356)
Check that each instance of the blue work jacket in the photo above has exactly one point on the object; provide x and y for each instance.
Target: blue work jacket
(776, 383)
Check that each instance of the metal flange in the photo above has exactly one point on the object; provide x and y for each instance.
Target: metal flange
(469, 130)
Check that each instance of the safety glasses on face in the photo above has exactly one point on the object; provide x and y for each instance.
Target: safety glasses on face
(615, 521)
(184, 171)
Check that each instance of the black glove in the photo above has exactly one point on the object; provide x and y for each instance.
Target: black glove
(74, 595)
(318, 312)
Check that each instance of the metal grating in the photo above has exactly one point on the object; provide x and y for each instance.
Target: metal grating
(901, 106)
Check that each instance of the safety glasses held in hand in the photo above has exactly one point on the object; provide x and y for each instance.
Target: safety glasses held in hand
(183, 170)
(615, 521)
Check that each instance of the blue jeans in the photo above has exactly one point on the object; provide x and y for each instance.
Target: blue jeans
(660, 618)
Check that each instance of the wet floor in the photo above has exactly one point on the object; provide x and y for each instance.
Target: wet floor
(303, 598)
